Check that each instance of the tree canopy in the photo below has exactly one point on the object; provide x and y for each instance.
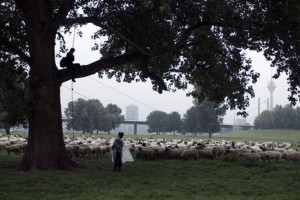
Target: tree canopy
(172, 42)
(89, 115)
(281, 117)
(157, 122)
(199, 41)
(204, 117)
(13, 98)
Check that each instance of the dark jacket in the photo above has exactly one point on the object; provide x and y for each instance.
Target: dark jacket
(117, 147)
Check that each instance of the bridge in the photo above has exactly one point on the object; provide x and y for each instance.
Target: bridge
(231, 126)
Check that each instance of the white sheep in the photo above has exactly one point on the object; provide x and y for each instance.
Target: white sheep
(205, 153)
(190, 153)
(274, 155)
(105, 149)
(218, 151)
(294, 157)
(160, 152)
(85, 150)
(253, 158)
(173, 153)
(146, 153)
(96, 151)
(264, 156)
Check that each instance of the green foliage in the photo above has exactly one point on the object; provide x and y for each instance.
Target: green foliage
(174, 122)
(113, 117)
(198, 42)
(279, 118)
(90, 115)
(157, 121)
(204, 117)
(13, 94)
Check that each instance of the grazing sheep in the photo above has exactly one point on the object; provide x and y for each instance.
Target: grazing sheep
(218, 151)
(294, 157)
(236, 152)
(3, 145)
(15, 148)
(256, 149)
(264, 156)
(205, 153)
(96, 151)
(274, 155)
(85, 150)
(70, 150)
(133, 150)
(252, 158)
(190, 153)
(173, 153)
(105, 149)
(146, 153)
(160, 152)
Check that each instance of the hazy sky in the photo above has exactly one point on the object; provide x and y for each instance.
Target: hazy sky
(142, 95)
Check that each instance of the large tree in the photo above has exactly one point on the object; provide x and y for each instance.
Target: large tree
(113, 117)
(172, 42)
(157, 122)
(174, 122)
(204, 117)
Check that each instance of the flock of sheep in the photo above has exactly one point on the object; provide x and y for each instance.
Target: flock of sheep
(154, 149)
(253, 152)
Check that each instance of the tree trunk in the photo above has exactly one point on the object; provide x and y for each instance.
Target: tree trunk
(46, 149)
(7, 130)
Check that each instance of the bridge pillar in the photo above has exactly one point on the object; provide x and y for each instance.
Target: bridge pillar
(135, 128)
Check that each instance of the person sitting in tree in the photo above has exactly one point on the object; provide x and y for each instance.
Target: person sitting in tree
(68, 63)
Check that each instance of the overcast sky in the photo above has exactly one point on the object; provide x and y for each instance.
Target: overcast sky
(142, 95)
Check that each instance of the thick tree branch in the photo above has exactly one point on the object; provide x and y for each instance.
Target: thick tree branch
(107, 63)
(102, 64)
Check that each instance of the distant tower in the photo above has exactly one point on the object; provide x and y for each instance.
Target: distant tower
(258, 106)
(271, 87)
(132, 112)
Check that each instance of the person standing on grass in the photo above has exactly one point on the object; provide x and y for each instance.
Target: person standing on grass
(117, 152)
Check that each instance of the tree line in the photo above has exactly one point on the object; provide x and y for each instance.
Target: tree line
(281, 117)
(204, 117)
(90, 115)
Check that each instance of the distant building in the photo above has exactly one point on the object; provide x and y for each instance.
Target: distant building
(241, 121)
(132, 112)
(271, 88)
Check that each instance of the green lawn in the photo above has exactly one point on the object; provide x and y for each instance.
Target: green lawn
(160, 179)
(264, 135)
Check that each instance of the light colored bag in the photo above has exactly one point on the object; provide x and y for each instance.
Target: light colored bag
(126, 155)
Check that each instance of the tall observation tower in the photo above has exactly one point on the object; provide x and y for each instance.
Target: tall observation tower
(271, 87)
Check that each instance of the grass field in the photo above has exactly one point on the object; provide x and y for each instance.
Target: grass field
(159, 179)
(264, 135)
